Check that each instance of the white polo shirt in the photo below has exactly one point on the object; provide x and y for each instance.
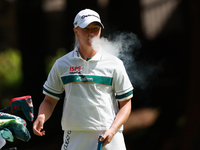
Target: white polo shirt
(92, 89)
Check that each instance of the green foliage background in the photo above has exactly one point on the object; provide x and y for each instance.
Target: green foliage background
(11, 75)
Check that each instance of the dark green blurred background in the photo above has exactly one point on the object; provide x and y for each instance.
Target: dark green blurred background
(165, 110)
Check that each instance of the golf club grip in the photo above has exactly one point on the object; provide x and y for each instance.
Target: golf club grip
(7, 109)
(100, 143)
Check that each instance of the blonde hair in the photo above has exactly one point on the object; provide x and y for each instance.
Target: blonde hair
(75, 42)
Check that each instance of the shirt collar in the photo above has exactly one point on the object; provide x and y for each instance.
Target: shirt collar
(96, 57)
(76, 52)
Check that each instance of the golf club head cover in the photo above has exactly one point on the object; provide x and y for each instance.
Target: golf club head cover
(6, 134)
(4, 116)
(13, 126)
(25, 104)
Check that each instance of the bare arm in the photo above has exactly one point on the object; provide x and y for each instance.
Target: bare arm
(45, 111)
(122, 116)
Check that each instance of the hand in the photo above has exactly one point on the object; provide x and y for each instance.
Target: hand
(108, 136)
(45, 111)
(38, 126)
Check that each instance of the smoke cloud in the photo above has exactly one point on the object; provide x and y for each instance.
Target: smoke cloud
(123, 46)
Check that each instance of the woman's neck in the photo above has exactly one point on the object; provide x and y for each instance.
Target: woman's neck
(88, 52)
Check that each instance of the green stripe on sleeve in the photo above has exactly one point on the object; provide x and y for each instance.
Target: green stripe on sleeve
(87, 78)
(124, 95)
(53, 94)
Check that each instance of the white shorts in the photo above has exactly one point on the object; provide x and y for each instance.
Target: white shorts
(88, 140)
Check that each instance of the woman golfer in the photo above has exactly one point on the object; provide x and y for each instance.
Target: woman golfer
(97, 89)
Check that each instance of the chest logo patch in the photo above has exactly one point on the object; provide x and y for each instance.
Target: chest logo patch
(75, 70)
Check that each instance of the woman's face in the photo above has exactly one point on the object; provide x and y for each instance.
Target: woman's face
(85, 34)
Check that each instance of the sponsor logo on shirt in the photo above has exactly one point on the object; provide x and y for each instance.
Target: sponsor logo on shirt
(75, 70)
(84, 79)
